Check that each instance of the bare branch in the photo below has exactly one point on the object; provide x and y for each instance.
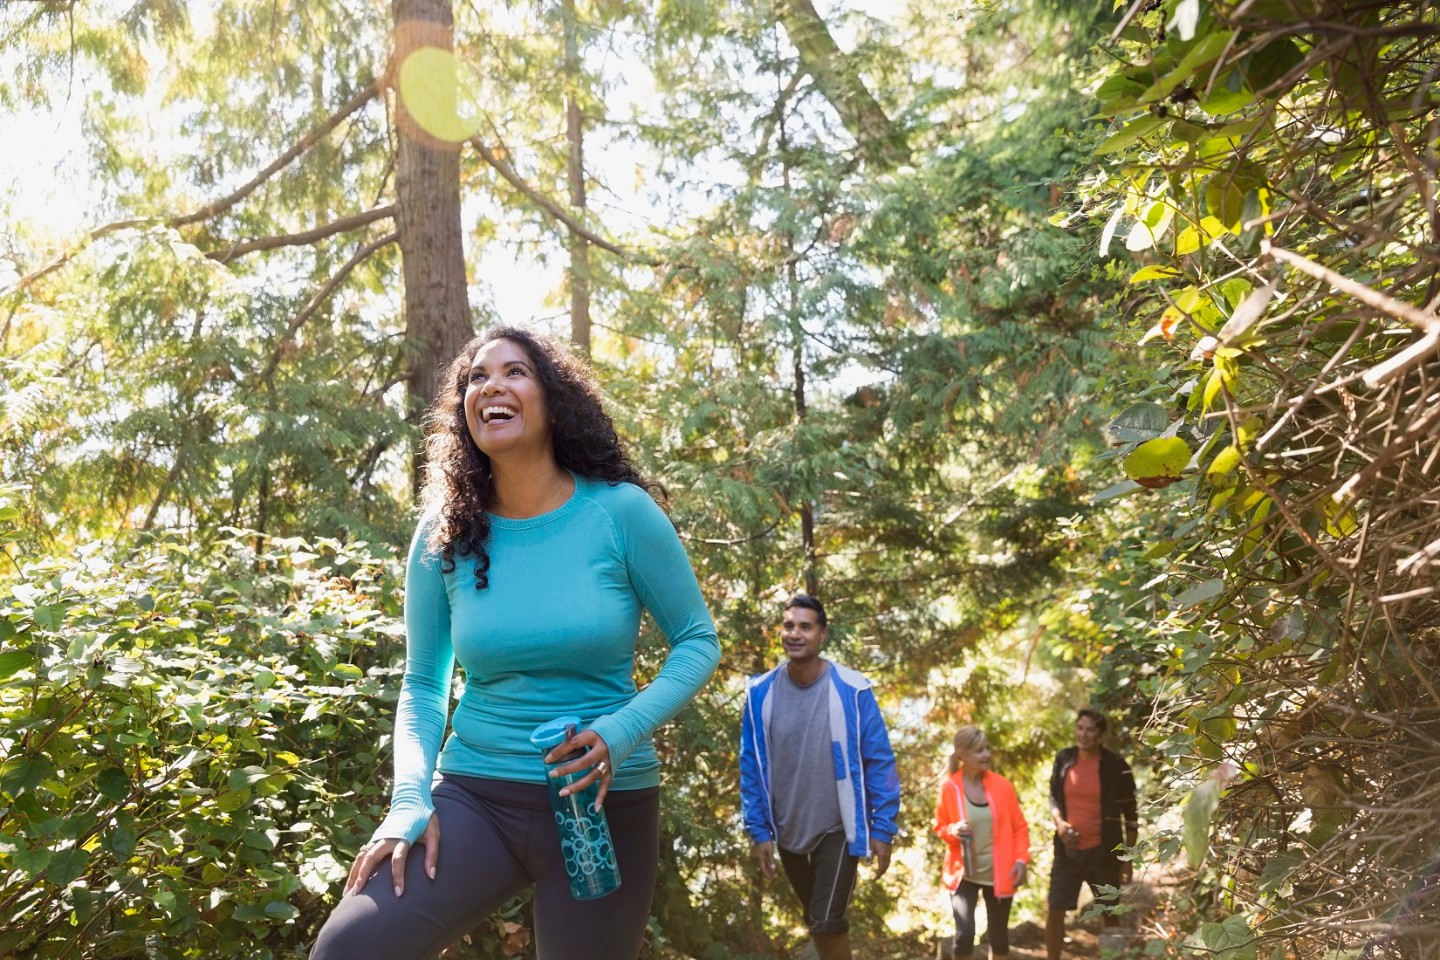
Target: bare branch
(352, 222)
(1369, 296)
(551, 207)
(320, 297)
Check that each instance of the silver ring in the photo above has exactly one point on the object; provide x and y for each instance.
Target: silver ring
(602, 766)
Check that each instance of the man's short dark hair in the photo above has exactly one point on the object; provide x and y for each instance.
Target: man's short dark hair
(809, 603)
(1096, 717)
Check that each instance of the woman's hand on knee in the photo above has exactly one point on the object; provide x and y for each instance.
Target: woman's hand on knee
(376, 852)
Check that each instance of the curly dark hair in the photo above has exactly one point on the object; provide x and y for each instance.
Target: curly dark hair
(459, 487)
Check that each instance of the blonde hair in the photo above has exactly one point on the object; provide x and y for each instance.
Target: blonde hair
(967, 739)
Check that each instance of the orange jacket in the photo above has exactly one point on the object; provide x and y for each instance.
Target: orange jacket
(1011, 837)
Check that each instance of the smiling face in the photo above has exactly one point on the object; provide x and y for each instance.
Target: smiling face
(505, 405)
(977, 758)
(801, 634)
(1088, 735)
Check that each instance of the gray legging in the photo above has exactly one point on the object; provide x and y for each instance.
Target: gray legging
(496, 838)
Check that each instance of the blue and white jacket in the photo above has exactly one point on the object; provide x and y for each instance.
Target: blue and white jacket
(865, 777)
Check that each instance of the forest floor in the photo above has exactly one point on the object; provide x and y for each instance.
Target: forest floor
(1151, 898)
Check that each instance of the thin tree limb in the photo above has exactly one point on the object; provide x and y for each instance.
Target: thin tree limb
(552, 208)
(1369, 296)
(320, 297)
(352, 222)
(361, 98)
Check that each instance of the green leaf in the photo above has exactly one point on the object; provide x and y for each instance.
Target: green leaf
(31, 862)
(113, 783)
(1131, 133)
(1139, 422)
(1199, 810)
(1159, 462)
(281, 910)
(13, 661)
(1154, 271)
(66, 866)
(1199, 593)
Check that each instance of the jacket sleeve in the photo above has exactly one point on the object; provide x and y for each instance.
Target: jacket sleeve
(1128, 812)
(1020, 828)
(946, 814)
(752, 782)
(882, 783)
(1057, 784)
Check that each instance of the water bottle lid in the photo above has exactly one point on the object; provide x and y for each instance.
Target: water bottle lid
(553, 733)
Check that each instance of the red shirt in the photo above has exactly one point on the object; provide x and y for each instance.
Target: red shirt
(1082, 800)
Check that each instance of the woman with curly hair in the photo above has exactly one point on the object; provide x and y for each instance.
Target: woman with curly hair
(539, 548)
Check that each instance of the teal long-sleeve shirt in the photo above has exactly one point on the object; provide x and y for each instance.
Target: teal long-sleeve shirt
(554, 633)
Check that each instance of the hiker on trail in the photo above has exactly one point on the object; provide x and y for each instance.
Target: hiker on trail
(987, 843)
(539, 549)
(1092, 800)
(817, 776)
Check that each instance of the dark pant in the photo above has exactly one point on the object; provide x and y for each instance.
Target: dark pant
(824, 878)
(997, 918)
(1097, 867)
(498, 837)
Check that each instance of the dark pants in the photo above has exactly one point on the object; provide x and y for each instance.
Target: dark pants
(498, 837)
(823, 879)
(997, 918)
(1096, 867)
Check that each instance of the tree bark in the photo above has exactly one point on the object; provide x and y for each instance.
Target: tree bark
(575, 174)
(859, 111)
(427, 189)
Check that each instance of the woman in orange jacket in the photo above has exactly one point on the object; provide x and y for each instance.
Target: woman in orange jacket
(987, 842)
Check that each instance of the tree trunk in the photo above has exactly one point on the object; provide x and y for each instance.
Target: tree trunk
(427, 191)
(859, 111)
(575, 171)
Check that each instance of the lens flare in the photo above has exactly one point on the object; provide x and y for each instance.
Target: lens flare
(440, 94)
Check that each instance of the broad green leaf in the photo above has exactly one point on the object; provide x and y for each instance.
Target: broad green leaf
(1154, 271)
(113, 783)
(1139, 422)
(13, 661)
(31, 862)
(67, 865)
(1199, 593)
(1159, 462)
(1199, 810)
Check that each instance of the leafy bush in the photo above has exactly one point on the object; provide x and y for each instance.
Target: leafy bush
(191, 746)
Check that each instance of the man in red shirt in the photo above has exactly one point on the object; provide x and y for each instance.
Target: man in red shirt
(1092, 801)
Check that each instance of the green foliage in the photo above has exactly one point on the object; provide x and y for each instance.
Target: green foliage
(160, 793)
(1279, 307)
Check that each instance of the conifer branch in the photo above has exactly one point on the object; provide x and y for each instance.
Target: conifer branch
(352, 222)
(551, 207)
(361, 98)
(88, 239)
(320, 297)
(364, 96)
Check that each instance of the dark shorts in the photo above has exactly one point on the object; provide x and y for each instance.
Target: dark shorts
(497, 838)
(1096, 867)
(823, 879)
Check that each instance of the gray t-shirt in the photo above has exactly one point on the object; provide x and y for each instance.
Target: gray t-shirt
(802, 768)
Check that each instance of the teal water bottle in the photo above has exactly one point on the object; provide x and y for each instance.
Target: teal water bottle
(584, 832)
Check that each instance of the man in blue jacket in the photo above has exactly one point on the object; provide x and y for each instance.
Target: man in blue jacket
(817, 775)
